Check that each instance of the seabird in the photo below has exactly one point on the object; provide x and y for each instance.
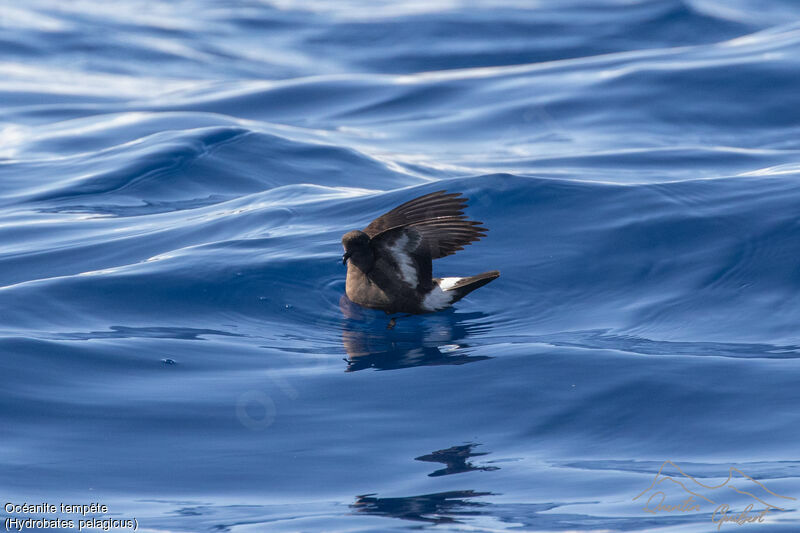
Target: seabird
(389, 263)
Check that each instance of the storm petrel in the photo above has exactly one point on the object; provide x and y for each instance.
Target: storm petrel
(389, 263)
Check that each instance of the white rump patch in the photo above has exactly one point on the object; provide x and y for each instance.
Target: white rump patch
(408, 271)
(447, 283)
(440, 297)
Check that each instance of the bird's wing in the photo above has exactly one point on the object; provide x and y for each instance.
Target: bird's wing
(405, 250)
(446, 235)
(437, 217)
(433, 205)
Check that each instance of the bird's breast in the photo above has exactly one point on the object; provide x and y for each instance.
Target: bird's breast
(363, 290)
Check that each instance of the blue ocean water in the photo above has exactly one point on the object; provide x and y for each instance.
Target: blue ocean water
(175, 178)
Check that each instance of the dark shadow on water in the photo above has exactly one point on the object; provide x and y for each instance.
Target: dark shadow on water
(456, 460)
(438, 508)
(424, 340)
(459, 507)
(450, 507)
(456, 507)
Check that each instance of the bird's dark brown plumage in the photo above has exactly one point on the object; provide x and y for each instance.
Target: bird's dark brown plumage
(390, 261)
(439, 217)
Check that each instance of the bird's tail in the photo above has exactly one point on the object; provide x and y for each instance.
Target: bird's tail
(466, 285)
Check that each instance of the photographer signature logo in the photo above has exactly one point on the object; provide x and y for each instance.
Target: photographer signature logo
(682, 493)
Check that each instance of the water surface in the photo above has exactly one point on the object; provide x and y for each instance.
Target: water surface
(175, 179)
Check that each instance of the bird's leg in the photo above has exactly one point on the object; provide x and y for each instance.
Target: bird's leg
(393, 321)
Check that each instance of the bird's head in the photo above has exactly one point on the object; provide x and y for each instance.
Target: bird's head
(357, 249)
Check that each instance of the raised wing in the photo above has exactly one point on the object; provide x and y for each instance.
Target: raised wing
(433, 205)
(437, 217)
(446, 235)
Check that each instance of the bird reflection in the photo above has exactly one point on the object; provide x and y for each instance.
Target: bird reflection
(435, 339)
(438, 508)
(455, 459)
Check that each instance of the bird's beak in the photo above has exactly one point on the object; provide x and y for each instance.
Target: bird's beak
(345, 257)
